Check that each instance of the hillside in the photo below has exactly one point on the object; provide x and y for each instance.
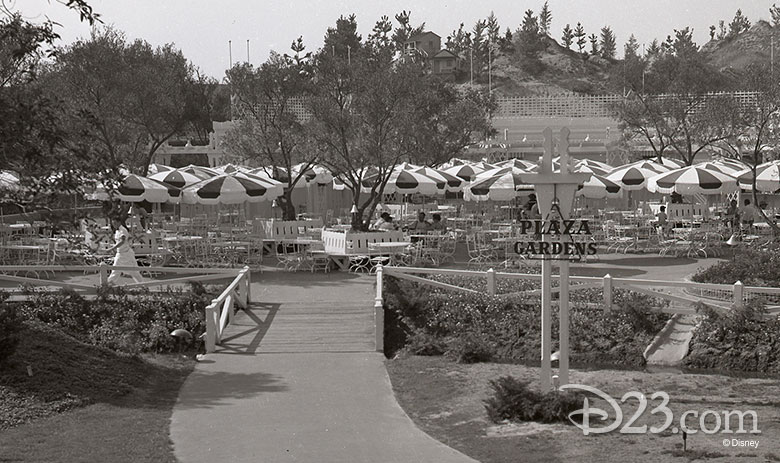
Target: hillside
(565, 71)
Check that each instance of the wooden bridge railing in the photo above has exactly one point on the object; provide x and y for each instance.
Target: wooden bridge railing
(219, 314)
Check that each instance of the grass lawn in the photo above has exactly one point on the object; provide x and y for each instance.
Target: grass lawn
(445, 399)
(86, 404)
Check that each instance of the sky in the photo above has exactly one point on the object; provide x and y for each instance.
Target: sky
(202, 29)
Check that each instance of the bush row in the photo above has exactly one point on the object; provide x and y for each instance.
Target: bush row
(122, 321)
(477, 327)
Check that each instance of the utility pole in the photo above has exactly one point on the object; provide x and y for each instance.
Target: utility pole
(772, 55)
(230, 52)
(349, 55)
(490, 77)
(471, 62)
(247, 50)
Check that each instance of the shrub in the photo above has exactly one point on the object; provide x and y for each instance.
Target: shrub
(753, 267)
(422, 343)
(513, 400)
(471, 347)
(10, 326)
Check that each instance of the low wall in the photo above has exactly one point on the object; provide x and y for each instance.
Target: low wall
(348, 242)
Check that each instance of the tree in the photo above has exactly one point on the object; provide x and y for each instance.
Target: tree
(267, 130)
(401, 34)
(758, 124)
(545, 18)
(579, 34)
(712, 32)
(774, 11)
(529, 42)
(459, 40)
(129, 98)
(376, 113)
(32, 135)
(678, 112)
(721, 30)
(594, 44)
(492, 28)
(631, 48)
(738, 25)
(608, 43)
(568, 37)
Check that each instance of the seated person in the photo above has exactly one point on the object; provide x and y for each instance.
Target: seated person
(662, 222)
(437, 223)
(419, 225)
(676, 198)
(385, 223)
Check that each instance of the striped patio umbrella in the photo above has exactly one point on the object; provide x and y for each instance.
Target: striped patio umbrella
(135, 188)
(596, 165)
(231, 168)
(275, 187)
(485, 166)
(176, 178)
(406, 182)
(521, 164)
(226, 189)
(652, 164)
(631, 177)
(589, 169)
(598, 187)
(339, 183)
(767, 177)
(692, 180)
(502, 184)
(728, 166)
(155, 168)
(8, 180)
(451, 182)
(467, 172)
(315, 174)
(201, 172)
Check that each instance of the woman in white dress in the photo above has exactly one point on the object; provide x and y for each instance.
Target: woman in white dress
(125, 257)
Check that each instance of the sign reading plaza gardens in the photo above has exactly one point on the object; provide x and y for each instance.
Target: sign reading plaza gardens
(557, 246)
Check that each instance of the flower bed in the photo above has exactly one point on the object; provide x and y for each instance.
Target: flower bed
(476, 327)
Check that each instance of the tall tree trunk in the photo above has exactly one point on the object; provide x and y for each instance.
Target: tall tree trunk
(288, 208)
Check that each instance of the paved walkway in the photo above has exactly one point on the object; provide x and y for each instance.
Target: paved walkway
(297, 380)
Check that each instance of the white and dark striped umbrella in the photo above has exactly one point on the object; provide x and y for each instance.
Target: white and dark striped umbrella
(631, 177)
(521, 164)
(451, 182)
(275, 187)
(8, 180)
(231, 168)
(652, 164)
(314, 174)
(201, 172)
(176, 178)
(467, 172)
(598, 187)
(731, 167)
(767, 177)
(135, 188)
(226, 189)
(589, 169)
(155, 168)
(692, 180)
(339, 183)
(502, 184)
(596, 165)
(406, 182)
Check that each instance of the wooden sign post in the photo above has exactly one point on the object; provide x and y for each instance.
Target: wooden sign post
(555, 196)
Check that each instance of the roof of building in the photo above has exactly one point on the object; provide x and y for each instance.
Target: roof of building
(420, 36)
(444, 53)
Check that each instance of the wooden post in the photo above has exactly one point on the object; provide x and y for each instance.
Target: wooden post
(491, 282)
(211, 328)
(607, 292)
(379, 312)
(103, 271)
(563, 320)
(739, 294)
(546, 367)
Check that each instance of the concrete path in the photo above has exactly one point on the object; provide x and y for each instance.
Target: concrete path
(297, 380)
(673, 342)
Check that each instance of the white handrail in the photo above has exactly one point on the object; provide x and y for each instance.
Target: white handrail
(219, 314)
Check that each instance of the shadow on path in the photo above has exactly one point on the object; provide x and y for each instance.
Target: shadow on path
(206, 389)
(236, 343)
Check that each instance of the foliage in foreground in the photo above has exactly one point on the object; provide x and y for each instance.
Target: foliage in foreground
(118, 320)
(476, 327)
(513, 400)
(744, 339)
(753, 267)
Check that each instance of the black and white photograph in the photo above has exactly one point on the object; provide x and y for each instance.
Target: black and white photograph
(360, 231)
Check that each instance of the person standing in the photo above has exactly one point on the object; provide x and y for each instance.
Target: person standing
(662, 222)
(125, 257)
(748, 214)
(731, 215)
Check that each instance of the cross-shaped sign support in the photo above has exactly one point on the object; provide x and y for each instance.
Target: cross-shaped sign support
(555, 196)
